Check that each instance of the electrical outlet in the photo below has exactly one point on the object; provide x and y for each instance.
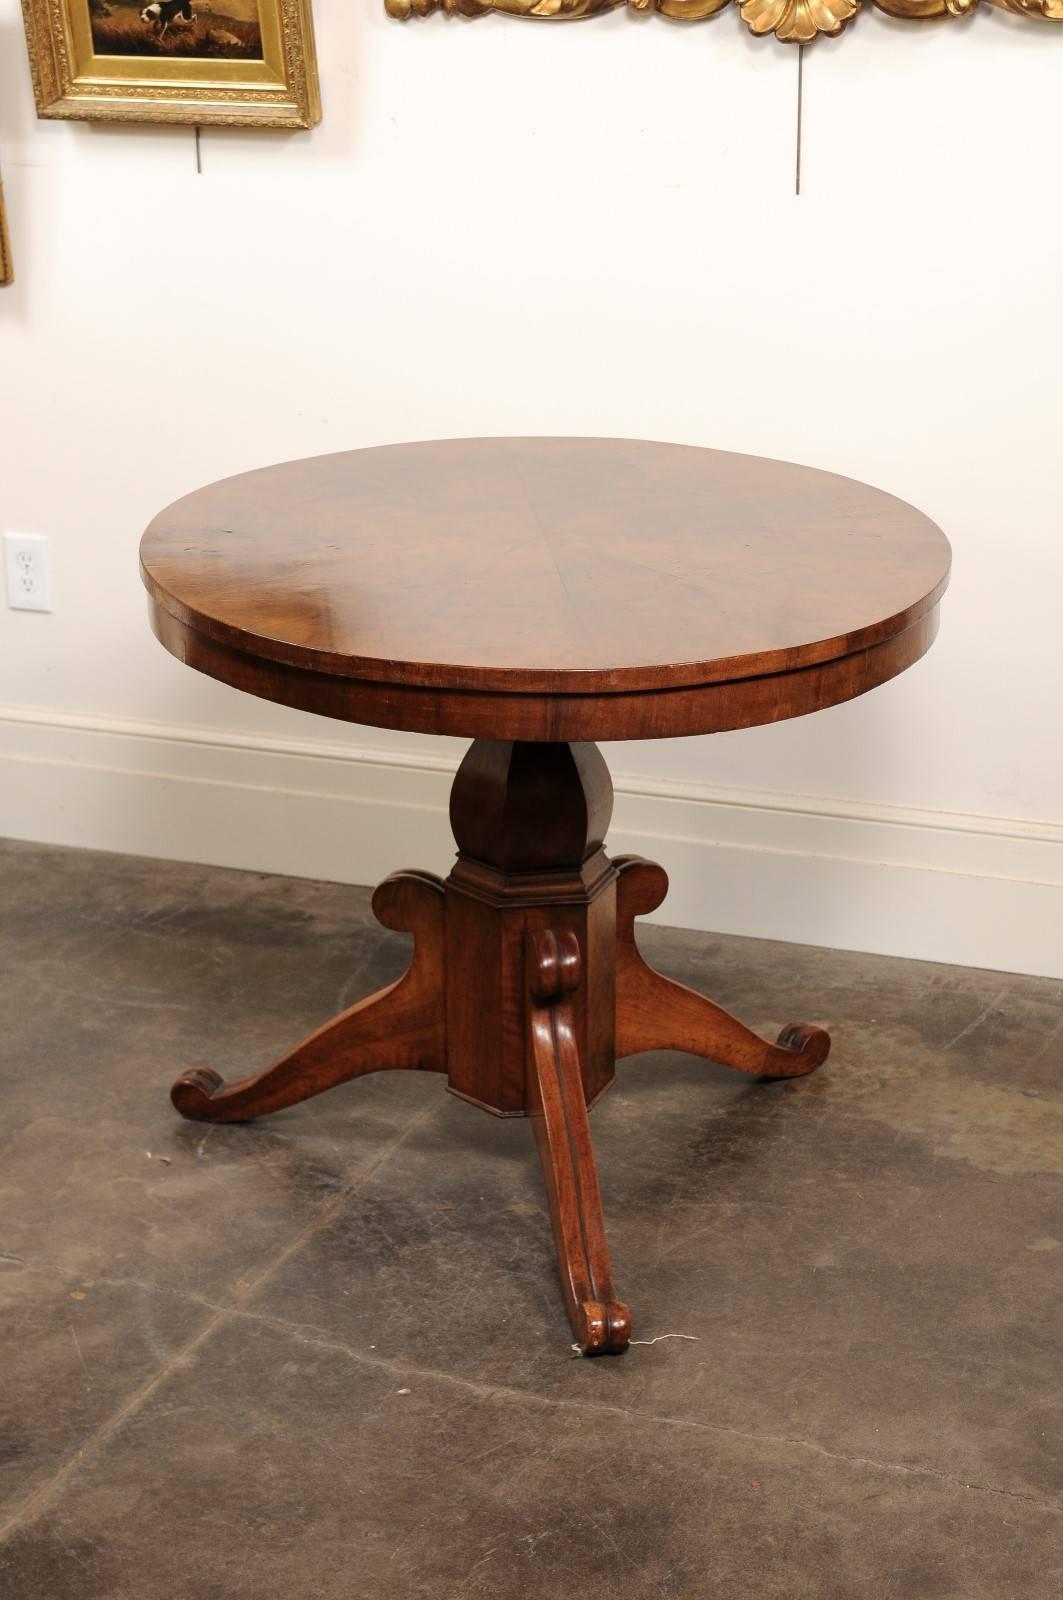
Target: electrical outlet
(26, 561)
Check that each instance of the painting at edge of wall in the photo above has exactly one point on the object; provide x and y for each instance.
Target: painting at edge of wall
(237, 63)
(7, 266)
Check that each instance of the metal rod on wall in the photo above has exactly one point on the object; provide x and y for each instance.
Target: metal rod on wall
(800, 114)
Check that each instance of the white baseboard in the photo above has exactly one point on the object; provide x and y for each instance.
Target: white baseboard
(977, 891)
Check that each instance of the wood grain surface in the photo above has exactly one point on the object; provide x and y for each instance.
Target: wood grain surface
(438, 586)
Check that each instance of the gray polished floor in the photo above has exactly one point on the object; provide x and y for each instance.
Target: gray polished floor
(324, 1356)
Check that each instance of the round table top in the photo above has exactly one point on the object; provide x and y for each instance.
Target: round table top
(414, 585)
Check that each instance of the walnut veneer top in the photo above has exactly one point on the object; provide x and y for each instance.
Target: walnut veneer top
(489, 581)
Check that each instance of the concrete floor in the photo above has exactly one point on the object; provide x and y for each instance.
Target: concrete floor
(325, 1356)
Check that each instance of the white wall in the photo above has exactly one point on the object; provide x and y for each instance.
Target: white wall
(502, 227)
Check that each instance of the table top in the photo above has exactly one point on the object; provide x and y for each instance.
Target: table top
(502, 575)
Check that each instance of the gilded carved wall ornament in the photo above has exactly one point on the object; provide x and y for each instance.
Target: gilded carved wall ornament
(792, 21)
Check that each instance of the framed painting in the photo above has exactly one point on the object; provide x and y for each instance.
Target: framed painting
(240, 63)
(7, 267)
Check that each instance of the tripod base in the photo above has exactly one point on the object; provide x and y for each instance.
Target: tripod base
(525, 987)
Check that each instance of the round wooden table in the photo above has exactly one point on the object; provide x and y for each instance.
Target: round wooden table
(534, 595)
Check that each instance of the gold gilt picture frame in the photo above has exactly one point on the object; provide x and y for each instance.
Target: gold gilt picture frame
(792, 21)
(7, 266)
(234, 63)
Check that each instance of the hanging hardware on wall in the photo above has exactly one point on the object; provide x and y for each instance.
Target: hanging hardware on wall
(792, 21)
(199, 158)
(800, 114)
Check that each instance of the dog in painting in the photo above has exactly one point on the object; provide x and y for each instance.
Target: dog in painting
(161, 13)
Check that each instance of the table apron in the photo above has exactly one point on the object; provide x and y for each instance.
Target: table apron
(471, 714)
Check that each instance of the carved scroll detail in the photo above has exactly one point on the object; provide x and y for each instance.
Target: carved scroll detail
(798, 21)
(791, 21)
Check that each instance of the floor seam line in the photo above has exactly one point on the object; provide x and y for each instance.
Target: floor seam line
(37, 1502)
(489, 1391)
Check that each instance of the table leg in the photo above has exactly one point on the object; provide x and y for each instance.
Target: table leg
(656, 1013)
(558, 1108)
(401, 1026)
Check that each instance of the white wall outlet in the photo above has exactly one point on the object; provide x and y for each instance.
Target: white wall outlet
(26, 563)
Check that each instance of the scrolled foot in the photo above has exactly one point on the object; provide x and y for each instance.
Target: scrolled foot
(809, 1046)
(602, 1328)
(194, 1090)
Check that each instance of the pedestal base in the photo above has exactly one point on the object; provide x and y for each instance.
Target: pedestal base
(525, 987)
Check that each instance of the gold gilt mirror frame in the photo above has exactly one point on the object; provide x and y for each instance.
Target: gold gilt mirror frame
(792, 21)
